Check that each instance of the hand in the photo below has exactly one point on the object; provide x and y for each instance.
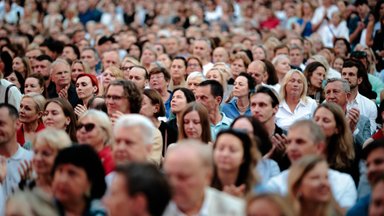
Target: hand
(278, 145)
(235, 191)
(360, 26)
(63, 93)
(25, 170)
(352, 118)
(115, 116)
(3, 168)
(80, 110)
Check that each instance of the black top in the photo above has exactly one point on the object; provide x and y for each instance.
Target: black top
(169, 134)
(72, 94)
(281, 159)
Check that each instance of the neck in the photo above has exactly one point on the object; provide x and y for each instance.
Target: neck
(86, 100)
(177, 81)
(59, 88)
(227, 178)
(215, 116)
(10, 148)
(353, 93)
(292, 102)
(44, 180)
(243, 103)
(270, 126)
(194, 208)
(155, 121)
(31, 126)
(75, 207)
(314, 209)
(280, 76)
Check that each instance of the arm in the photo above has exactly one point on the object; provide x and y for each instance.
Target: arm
(370, 26)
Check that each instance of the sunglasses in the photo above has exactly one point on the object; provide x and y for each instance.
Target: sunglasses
(88, 127)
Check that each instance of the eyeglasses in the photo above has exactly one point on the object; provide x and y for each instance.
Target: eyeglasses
(126, 68)
(88, 127)
(113, 97)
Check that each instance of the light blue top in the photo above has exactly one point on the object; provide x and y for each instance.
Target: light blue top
(232, 111)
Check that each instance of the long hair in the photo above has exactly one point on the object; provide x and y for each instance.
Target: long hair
(339, 150)
(251, 156)
(204, 121)
(287, 77)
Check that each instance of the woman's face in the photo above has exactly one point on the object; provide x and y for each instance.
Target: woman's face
(163, 58)
(326, 120)
(214, 75)
(147, 108)
(258, 54)
(134, 51)
(240, 87)
(193, 65)
(148, 57)
(17, 65)
(43, 158)
(317, 77)
(192, 125)
(84, 88)
(32, 85)
(340, 48)
(295, 86)
(91, 133)
(13, 79)
(108, 77)
(237, 67)
(77, 69)
(54, 117)
(338, 64)
(178, 69)
(28, 111)
(178, 102)
(315, 185)
(283, 66)
(70, 184)
(228, 153)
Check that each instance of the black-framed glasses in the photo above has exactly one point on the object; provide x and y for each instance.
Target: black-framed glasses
(88, 127)
(114, 97)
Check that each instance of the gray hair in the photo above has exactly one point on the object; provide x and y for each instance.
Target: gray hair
(137, 120)
(315, 130)
(345, 83)
(194, 75)
(279, 58)
(60, 61)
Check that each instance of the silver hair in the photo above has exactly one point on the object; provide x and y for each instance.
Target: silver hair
(344, 83)
(137, 120)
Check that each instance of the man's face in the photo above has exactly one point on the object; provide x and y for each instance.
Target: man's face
(116, 100)
(220, 55)
(61, 75)
(117, 199)
(296, 57)
(376, 207)
(137, 75)
(350, 74)
(335, 93)
(204, 96)
(8, 127)
(187, 176)
(282, 51)
(375, 165)
(109, 59)
(261, 107)
(89, 57)
(300, 143)
(69, 53)
(257, 72)
(172, 46)
(32, 55)
(129, 145)
(200, 49)
(42, 67)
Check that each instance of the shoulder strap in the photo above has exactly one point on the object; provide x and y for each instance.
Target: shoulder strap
(6, 93)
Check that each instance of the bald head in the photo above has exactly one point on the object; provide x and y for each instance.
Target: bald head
(220, 54)
(258, 71)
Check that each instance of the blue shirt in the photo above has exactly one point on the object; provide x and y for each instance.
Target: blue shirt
(361, 207)
(167, 105)
(232, 111)
(223, 124)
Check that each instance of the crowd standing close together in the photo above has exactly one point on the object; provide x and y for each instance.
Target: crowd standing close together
(208, 108)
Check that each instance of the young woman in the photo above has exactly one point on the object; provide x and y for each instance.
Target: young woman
(87, 87)
(17, 79)
(58, 113)
(309, 189)
(315, 73)
(94, 128)
(22, 65)
(194, 64)
(240, 104)
(235, 157)
(79, 67)
(178, 73)
(194, 123)
(109, 74)
(31, 111)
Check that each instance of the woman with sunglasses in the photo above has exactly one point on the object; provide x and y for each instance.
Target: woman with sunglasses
(235, 157)
(95, 129)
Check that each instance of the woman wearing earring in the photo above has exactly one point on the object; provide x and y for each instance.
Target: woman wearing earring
(31, 110)
(86, 88)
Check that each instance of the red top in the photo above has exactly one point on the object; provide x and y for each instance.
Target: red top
(379, 134)
(105, 156)
(270, 23)
(20, 133)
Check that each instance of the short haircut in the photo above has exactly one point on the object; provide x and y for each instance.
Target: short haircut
(361, 71)
(315, 130)
(195, 75)
(44, 57)
(216, 88)
(345, 83)
(146, 179)
(368, 149)
(38, 99)
(137, 120)
(12, 111)
(53, 138)
(180, 58)
(102, 120)
(75, 49)
(131, 91)
(146, 75)
(204, 151)
(270, 92)
(162, 70)
(60, 61)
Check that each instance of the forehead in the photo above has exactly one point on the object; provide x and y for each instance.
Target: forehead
(241, 79)
(376, 153)
(87, 52)
(350, 69)
(204, 90)
(180, 158)
(300, 132)
(84, 79)
(60, 67)
(116, 89)
(31, 80)
(261, 97)
(137, 70)
(334, 85)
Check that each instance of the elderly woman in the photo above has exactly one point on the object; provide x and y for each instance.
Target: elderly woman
(95, 129)
(295, 104)
(31, 111)
(194, 79)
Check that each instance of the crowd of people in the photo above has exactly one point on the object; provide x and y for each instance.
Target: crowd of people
(212, 107)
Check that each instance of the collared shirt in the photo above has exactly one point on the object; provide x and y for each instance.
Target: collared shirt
(304, 110)
(232, 111)
(342, 186)
(223, 124)
(12, 178)
(367, 108)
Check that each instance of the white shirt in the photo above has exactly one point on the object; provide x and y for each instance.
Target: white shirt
(366, 107)
(14, 95)
(329, 32)
(304, 110)
(207, 67)
(12, 178)
(332, 73)
(342, 186)
(319, 13)
(267, 168)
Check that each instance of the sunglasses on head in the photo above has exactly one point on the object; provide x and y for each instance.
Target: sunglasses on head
(88, 127)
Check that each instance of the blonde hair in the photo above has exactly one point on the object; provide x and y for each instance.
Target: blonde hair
(53, 138)
(287, 77)
(102, 120)
(279, 202)
(38, 99)
(130, 60)
(116, 72)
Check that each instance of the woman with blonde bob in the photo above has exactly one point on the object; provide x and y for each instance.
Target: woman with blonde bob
(309, 190)
(295, 104)
(268, 204)
(109, 74)
(194, 123)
